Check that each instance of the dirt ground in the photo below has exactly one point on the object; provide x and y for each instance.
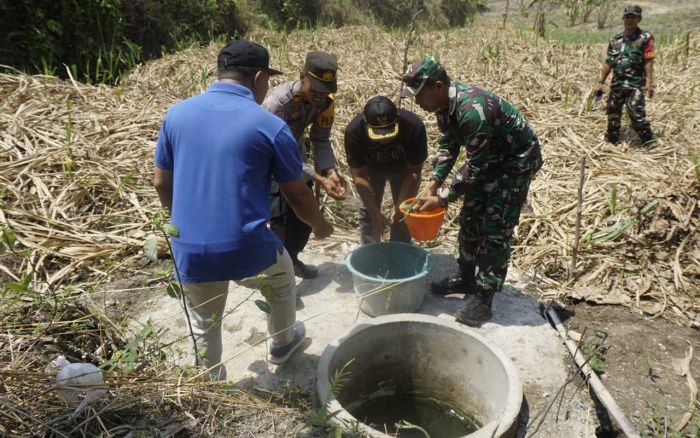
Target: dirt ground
(639, 370)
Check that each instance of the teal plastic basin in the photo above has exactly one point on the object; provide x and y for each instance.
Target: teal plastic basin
(389, 277)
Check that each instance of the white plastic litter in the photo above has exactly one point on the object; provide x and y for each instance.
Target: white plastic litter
(74, 380)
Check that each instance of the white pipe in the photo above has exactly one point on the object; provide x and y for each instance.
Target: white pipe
(603, 395)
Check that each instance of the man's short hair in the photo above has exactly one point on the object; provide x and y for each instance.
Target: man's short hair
(238, 73)
(441, 76)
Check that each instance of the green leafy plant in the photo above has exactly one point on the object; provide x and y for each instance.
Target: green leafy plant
(174, 289)
(135, 352)
(7, 239)
(7, 244)
(594, 348)
(323, 416)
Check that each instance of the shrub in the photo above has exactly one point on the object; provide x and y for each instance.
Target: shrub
(389, 13)
(98, 39)
(163, 25)
(41, 35)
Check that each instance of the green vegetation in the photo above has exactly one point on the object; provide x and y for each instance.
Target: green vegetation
(96, 40)
(389, 13)
(594, 348)
(323, 416)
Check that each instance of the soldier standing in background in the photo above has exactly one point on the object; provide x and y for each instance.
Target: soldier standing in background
(631, 59)
(502, 156)
(307, 102)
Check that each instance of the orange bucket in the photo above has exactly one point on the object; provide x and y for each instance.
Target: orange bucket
(423, 225)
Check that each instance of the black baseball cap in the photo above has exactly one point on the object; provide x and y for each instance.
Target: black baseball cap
(321, 69)
(382, 118)
(243, 53)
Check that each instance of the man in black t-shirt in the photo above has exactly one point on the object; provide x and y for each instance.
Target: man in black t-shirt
(385, 144)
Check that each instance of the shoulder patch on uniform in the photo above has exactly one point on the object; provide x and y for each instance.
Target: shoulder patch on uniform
(281, 93)
(325, 117)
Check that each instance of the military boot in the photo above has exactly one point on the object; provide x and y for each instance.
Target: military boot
(476, 310)
(612, 137)
(647, 139)
(462, 283)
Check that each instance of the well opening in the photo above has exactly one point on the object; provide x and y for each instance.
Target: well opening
(428, 357)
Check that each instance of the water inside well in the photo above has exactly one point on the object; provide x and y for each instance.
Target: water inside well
(437, 418)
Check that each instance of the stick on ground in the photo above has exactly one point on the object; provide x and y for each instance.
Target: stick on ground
(603, 395)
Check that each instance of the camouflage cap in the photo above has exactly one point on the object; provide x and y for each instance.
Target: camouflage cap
(632, 10)
(419, 73)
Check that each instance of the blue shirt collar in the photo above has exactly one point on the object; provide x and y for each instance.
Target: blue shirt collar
(227, 87)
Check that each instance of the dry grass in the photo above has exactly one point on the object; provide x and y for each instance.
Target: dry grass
(76, 164)
(75, 181)
(149, 395)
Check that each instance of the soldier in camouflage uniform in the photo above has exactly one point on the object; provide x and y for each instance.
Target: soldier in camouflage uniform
(502, 155)
(631, 59)
(307, 102)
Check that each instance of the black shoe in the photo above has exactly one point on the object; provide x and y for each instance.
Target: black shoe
(612, 138)
(475, 312)
(648, 142)
(304, 271)
(454, 284)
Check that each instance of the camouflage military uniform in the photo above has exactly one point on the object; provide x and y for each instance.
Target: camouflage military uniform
(502, 155)
(285, 101)
(627, 55)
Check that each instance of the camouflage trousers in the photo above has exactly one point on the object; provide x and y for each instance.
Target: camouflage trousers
(489, 214)
(633, 100)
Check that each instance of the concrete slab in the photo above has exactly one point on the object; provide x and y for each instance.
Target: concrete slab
(329, 308)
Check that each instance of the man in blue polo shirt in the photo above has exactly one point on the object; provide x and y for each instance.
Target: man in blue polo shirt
(214, 177)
